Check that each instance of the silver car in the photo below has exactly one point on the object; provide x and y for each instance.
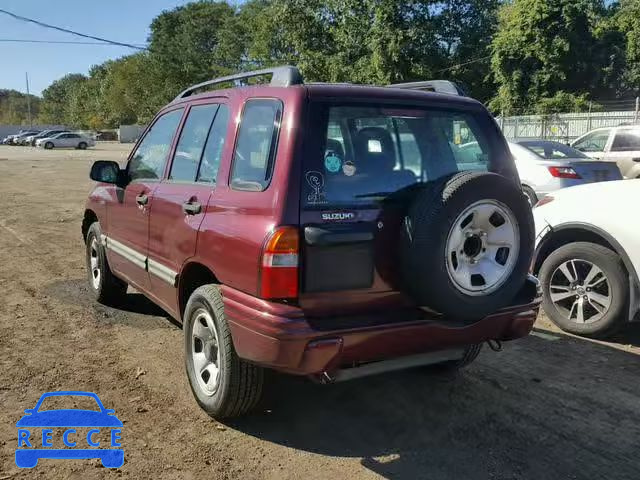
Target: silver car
(620, 145)
(545, 166)
(66, 140)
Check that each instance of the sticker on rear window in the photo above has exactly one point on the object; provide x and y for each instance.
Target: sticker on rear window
(332, 163)
(316, 182)
(348, 168)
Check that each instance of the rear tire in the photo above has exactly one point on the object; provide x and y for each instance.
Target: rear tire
(223, 384)
(104, 285)
(82, 146)
(600, 301)
(48, 145)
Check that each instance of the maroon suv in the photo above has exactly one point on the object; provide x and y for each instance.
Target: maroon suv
(324, 230)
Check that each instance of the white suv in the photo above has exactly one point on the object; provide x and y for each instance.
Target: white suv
(614, 144)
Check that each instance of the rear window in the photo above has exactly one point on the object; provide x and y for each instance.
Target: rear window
(368, 153)
(552, 150)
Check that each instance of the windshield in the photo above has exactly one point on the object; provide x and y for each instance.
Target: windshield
(371, 152)
(552, 150)
(75, 402)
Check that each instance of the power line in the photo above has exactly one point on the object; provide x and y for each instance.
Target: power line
(71, 42)
(53, 27)
(465, 63)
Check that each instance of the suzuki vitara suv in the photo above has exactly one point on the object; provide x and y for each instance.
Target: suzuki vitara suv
(331, 231)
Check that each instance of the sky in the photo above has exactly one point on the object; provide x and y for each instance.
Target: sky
(120, 20)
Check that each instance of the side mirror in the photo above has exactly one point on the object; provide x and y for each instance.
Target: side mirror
(109, 411)
(29, 410)
(106, 172)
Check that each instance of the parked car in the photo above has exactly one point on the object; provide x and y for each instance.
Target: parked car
(17, 139)
(66, 140)
(31, 140)
(288, 227)
(545, 166)
(588, 257)
(620, 145)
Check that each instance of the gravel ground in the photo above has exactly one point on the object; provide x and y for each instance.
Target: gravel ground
(550, 406)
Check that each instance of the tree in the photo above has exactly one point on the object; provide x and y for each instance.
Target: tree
(626, 21)
(56, 99)
(14, 108)
(191, 44)
(543, 47)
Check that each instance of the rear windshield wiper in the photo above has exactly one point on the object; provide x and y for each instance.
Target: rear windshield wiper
(373, 195)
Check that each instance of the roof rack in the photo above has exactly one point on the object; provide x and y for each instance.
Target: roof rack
(438, 86)
(283, 76)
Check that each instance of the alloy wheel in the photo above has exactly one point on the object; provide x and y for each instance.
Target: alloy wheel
(580, 290)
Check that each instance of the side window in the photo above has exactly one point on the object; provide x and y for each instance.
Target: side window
(594, 142)
(213, 150)
(256, 145)
(626, 141)
(191, 143)
(149, 159)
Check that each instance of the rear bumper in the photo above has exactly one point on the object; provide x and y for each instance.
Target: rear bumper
(280, 337)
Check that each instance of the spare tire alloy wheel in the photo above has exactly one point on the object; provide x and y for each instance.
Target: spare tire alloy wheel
(482, 247)
(467, 244)
(581, 290)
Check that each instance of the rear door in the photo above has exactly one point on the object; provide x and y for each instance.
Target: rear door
(625, 151)
(128, 215)
(181, 199)
(359, 168)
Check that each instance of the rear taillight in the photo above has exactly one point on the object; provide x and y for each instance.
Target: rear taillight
(563, 172)
(279, 274)
(544, 201)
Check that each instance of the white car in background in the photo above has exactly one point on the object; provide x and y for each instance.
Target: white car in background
(545, 166)
(614, 144)
(66, 140)
(588, 256)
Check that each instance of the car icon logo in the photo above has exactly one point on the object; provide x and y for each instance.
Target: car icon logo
(32, 447)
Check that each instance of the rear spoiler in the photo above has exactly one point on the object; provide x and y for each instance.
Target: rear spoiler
(438, 86)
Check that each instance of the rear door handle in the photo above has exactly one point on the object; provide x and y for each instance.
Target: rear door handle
(191, 208)
(142, 199)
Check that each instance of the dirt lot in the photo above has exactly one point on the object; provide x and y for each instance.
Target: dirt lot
(547, 407)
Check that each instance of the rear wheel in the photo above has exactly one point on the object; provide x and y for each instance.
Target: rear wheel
(82, 146)
(105, 286)
(48, 145)
(224, 385)
(585, 289)
(532, 198)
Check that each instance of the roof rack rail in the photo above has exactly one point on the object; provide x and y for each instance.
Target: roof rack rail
(282, 76)
(438, 86)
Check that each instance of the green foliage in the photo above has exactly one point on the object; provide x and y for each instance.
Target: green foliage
(562, 102)
(14, 109)
(522, 56)
(544, 47)
(626, 23)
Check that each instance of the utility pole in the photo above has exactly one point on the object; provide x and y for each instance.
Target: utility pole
(635, 118)
(26, 76)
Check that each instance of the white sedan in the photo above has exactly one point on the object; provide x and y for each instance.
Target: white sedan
(66, 140)
(588, 256)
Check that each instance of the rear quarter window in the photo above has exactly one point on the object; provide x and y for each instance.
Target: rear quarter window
(256, 144)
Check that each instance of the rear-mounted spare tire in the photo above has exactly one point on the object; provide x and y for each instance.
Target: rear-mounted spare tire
(467, 244)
